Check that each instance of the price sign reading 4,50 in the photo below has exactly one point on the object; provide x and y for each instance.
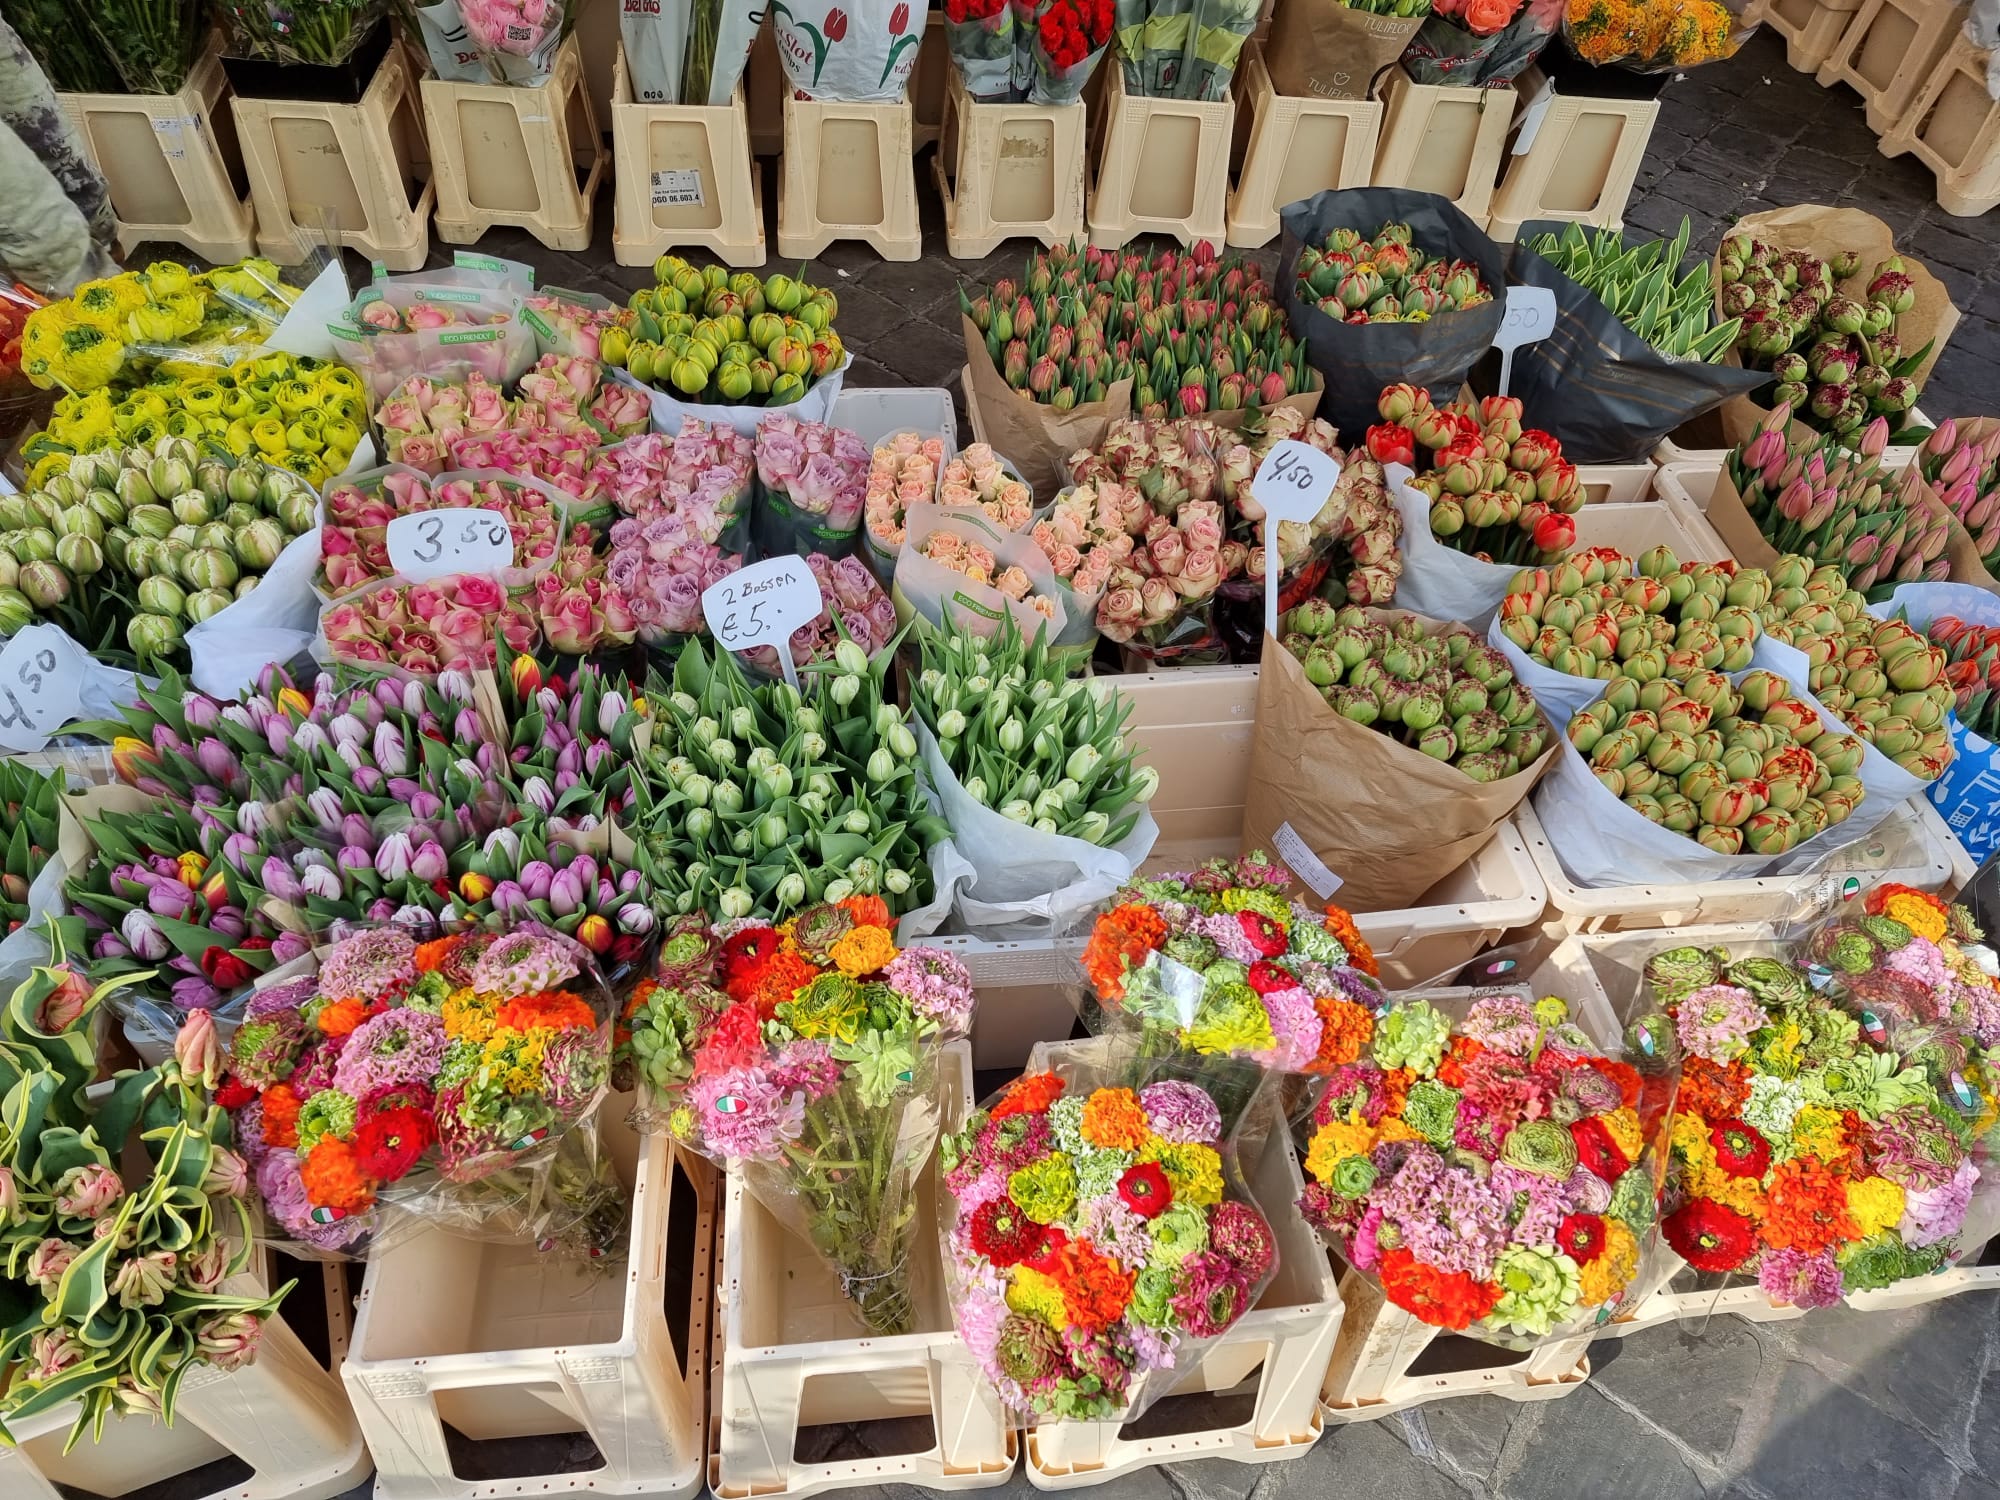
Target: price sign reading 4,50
(1293, 483)
(762, 605)
(1530, 318)
(438, 543)
(40, 687)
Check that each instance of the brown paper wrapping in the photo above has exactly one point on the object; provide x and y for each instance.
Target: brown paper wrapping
(1319, 49)
(1039, 439)
(1826, 232)
(1966, 564)
(1305, 403)
(73, 840)
(1389, 820)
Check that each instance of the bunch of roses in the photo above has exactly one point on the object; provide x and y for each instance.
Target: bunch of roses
(1069, 31)
(1802, 1152)
(814, 468)
(1088, 532)
(576, 603)
(1277, 983)
(420, 416)
(515, 27)
(577, 324)
(1497, 1175)
(448, 624)
(561, 459)
(403, 1069)
(849, 594)
(1093, 1233)
(950, 550)
(354, 541)
(383, 316)
(804, 1055)
(701, 475)
(422, 420)
(659, 568)
(902, 472)
(979, 476)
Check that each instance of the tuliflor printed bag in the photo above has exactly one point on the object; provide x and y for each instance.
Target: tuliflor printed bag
(856, 51)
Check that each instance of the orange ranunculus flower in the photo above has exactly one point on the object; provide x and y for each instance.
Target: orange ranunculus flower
(1121, 940)
(342, 1016)
(1341, 924)
(1114, 1120)
(867, 911)
(1806, 1207)
(333, 1179)
(1345, 1029)
(558, 1010)
(1030, 1094)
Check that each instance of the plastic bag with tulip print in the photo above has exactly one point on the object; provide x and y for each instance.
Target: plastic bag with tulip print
(1481, 43)
(492, 41)
(857, 51)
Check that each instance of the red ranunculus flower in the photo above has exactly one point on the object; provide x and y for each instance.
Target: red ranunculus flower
(1003, 1234)
(1596, 1149)
(1711, 1236)
(1264, 935)
(1739, 1149)
(1266, 977)
(390, 1143)
(1581, 1237)
(1145, 1190)
(232, 1094)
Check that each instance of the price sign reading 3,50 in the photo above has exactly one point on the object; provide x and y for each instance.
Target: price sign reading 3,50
(40, 687)
(438, 543)
(762, 605)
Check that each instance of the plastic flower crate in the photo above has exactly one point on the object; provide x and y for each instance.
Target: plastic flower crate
(1288, 148)
(359, 163)
(527, 157)
(1617, 484)
(1196, 726)
(1810, 27)
(1008, 169)
(790, 1354)
(1159, 166)
(172, 163)
(501, 1342)
(930, 81)
(1953, 126)
(683, 175)
(1447, 141)
(848, 175)
(1278, 1350)
(1887, 51)
(1579, 166)
(872, 415)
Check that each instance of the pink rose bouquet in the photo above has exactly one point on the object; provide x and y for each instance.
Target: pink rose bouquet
(448, 624)
(564, 460)
(902, 472)
(854, 600)
(516, 28)
(577, 326)
(819, 470)
(383, 316)
(701, 476)
(1087, 534)
(354, 540)
(979, 476)
(576, 603)
(950, 550)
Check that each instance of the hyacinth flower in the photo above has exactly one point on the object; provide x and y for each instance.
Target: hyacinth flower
(1832, 504)
(1965, 472)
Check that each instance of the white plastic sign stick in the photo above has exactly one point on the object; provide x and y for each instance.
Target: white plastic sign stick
(762, 605)
(41, 676)
(440, 543)
(1292, 484)
(1530, 318)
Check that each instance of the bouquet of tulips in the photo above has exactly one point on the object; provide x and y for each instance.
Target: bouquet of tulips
(1972, 672)
(1961, 461)
(1501, 492)
(1833, 502)
(1386, 279)
(733, 340)
(28, 800)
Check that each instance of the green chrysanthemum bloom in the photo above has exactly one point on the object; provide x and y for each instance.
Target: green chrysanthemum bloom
(1412, 1035)
(1153, 1292)
(1771, 980)
(1773, 1104)
(1353, 1176)
(1313, 943)
(1887, 931)
(1065, 1118)
(1195, 952)
(1270, 903)
(327, 1113)
(1632, 1201)
(1431, 1109)
(1539, 1146)
(1681, 971)
(1097, 1172)
(1538, 1290)
(1045, 1190)
(1178, 1233)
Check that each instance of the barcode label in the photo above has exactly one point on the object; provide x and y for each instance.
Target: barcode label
(1305, 864)
(171, 131)
(678, 189)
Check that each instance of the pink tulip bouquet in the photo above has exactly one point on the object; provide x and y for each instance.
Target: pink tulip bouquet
(902, 472)
(980, 477)
(856, 609)
(448, 624)
(354, 540)
(1088, 533)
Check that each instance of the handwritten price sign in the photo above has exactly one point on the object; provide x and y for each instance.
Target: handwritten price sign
(41, 675)
(762, 605)
(1293, 483)
(1530, 318)
(439, 543)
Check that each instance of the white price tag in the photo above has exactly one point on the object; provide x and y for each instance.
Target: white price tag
(678, 189)
(762, 605)
(439, 543)
(1530, 318)
(1292, 483)
(41, 677)
(1305, 864)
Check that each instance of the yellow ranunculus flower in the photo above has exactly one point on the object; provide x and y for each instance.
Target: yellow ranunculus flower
(269, 435)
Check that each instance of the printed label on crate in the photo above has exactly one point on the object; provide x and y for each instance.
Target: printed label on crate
(678, 189)
(171, 130)
(1305, 864)
(41, 676)
(440, 543)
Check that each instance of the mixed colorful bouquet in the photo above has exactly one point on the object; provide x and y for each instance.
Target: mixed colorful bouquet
(1803, 1150)
(411, 1074)
(1097, 1236)
(804, 1057)
(1218, 961)
(1913, 965)
(1491, 1167)
(1651, 36)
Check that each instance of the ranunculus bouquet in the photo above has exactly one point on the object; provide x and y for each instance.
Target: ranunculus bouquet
(804, 1058)
(815, 482)
(436, 1078)
(1910, 963)
(854, 609)
(1804, 1152)
(1097, 1237)
(1490, 1166)
(902, 472)
(354, 543)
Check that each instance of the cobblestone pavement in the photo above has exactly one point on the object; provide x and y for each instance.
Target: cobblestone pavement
(1837, 1406)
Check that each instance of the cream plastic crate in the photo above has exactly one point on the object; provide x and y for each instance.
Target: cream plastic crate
(790, 1353)
(1441, 140)
(362, 164)
(848, 175)
(1888, 50)
(872, 415)
(283, 1416)
(1810, 27)
(764, 92)
(1160, 166)
(1616, 484)
(1290, 148)
(1196, 726)
(684, 175)
(930, 82)
(1008, 169)
(1579, 168)
(1279, 1349)
(1953, 126)
(172, 164)
(1982, 1276)
(502, 1342)
(527, 157)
